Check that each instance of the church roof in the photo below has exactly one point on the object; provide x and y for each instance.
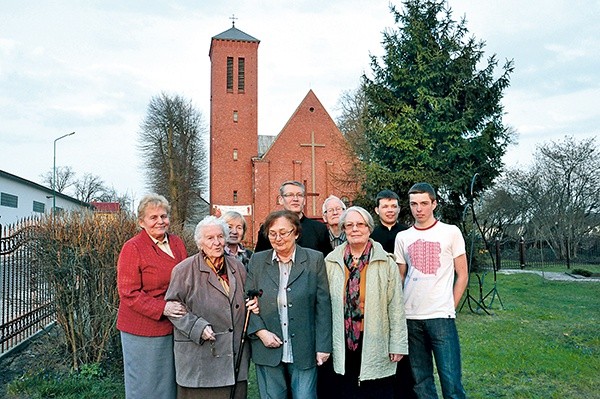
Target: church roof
(234, 33)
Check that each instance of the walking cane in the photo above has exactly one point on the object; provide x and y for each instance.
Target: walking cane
(250, 294)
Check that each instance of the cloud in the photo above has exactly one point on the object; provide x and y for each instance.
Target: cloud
(92, 67)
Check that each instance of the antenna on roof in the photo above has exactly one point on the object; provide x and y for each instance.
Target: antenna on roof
(232, 18)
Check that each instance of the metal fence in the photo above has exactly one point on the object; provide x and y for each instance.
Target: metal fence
(25, 297)
(530, 253)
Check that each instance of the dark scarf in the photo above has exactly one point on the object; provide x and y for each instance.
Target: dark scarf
(353, 315)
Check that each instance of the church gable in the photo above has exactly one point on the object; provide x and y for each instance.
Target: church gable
(311, 149)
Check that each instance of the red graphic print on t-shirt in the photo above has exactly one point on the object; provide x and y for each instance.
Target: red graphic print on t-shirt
(425, 256)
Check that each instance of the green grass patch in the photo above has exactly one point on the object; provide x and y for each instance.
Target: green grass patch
(545, 343)
(89, 383)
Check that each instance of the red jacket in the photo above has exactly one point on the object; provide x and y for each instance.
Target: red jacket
(143, 275)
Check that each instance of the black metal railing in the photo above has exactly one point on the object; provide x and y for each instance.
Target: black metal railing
(25, 297)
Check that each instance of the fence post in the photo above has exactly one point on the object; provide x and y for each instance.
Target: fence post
(568, 253)
(498, 258)
(522, 252)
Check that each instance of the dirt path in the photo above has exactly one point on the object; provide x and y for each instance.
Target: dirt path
(555, 276)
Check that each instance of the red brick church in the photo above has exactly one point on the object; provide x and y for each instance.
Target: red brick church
(246, 169)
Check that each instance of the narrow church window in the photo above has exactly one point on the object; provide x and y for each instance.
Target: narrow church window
(235, 197)
(230, 74)
(241, 75)
(235, 116)
(235, 154)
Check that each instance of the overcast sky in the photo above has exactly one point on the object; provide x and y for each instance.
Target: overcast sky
(92, 67)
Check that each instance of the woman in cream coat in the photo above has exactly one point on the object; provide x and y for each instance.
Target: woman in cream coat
(369, 326)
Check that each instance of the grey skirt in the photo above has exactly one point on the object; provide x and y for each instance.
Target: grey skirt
(149, 367)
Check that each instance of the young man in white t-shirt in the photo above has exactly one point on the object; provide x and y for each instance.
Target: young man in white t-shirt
(433, 264)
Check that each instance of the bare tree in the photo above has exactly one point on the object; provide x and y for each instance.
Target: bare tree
(89, 187)
(172, 146)
(558, 197)
(351, 121)
(65, 178)
(499, 210)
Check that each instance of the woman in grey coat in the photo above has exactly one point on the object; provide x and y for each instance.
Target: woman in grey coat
(208, 336)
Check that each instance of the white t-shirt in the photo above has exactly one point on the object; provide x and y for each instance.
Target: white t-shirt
(429, 255)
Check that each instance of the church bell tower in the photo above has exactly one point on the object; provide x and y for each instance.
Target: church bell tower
(233, 119)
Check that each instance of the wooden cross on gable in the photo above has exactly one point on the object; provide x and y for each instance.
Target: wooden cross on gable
(313, 192)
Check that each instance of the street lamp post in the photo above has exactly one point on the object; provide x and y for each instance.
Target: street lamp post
(54, 172)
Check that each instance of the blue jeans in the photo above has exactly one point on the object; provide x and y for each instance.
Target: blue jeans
(274, 382)
(435, 338)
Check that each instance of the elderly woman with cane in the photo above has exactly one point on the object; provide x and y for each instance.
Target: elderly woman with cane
(209, 337)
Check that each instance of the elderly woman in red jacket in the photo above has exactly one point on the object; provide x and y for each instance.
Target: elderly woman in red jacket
(143, 274)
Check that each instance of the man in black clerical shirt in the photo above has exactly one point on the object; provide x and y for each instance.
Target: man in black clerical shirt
(292, 195)
(388, 209)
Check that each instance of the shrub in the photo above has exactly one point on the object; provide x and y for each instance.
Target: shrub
(582, 272)
(78, 253)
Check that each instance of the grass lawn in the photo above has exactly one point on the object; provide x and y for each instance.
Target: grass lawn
(545, 343)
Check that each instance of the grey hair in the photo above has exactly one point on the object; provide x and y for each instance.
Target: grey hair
(363, 212)
(291, 183)
(209, 220)
(331, 198)
(152, 200)
(233, 215)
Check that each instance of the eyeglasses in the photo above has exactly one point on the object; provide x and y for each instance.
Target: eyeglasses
(338, 210)
(293, 195)
(358, 225)
(283, 234)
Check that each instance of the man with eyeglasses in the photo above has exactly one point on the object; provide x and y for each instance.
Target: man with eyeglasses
(333, 207)
(292, 195)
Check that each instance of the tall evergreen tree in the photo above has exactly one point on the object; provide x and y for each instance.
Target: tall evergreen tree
(172, 146)
(433, 114)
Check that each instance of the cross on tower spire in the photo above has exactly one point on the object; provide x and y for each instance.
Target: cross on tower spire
(232, 18)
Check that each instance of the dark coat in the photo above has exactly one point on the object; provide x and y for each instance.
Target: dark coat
(309, 307)
(387, 237)
(205, 364)
(314, 235)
